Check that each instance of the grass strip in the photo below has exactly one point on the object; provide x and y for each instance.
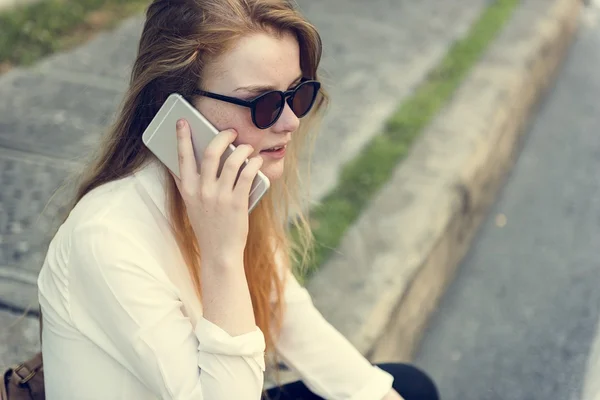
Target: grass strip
(363, 176)
(31, 32)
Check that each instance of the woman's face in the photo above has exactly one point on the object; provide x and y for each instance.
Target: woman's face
(258, 63)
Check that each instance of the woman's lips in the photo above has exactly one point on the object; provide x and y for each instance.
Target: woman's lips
(280, 153)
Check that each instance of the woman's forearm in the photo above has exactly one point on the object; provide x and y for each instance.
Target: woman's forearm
(226, 298)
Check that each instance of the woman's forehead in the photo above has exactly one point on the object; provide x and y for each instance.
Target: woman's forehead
(260, 59)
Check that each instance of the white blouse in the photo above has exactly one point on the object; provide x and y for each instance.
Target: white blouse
(121, 320)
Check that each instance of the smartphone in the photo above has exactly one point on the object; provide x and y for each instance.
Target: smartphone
(161, 139)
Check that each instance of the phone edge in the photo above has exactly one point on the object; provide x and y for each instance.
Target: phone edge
(147, 138)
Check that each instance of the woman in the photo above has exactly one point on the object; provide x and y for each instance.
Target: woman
(156, 287)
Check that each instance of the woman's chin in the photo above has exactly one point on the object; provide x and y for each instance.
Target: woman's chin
(273, 170)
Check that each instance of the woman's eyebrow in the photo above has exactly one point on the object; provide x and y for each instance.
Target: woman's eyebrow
(264, 88)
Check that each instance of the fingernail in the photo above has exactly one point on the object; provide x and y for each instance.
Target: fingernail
(180, 123)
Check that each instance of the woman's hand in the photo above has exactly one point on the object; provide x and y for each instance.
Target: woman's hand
(217, 207)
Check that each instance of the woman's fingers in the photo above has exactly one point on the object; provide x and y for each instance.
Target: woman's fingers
(235, 169)
(188, 169)
(211, 158)
(233, 164)
(244, 183)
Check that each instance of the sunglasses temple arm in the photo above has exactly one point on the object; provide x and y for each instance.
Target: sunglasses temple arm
(227, 99)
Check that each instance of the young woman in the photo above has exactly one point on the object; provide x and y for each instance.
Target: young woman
(156, 287)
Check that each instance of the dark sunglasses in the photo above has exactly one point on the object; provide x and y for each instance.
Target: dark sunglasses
(267, 108)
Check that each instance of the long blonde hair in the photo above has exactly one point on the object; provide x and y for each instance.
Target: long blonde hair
(179, 38)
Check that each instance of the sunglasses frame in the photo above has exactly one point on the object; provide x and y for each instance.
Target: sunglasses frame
(287, 96)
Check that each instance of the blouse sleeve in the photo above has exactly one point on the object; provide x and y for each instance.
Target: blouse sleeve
(330, 366)
(122, 300)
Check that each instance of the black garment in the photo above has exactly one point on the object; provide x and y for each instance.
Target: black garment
(410, 382)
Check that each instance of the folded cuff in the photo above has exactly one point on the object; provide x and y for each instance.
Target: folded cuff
(213, 339)
(378, 386)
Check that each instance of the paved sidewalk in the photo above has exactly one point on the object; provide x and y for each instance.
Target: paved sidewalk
(375, 53)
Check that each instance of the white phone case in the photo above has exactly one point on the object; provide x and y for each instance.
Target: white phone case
(161, 139)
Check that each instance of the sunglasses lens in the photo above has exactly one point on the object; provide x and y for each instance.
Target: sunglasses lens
(304, 99)
(267, 109)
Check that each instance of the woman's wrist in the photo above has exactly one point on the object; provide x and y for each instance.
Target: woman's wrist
(225, 295)
(223, 262)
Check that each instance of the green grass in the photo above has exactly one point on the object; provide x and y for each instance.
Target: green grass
(367, 173)
(31, 32)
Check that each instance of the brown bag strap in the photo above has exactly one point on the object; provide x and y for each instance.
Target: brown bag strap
(3, 383)
(25, 381)
(24, 372)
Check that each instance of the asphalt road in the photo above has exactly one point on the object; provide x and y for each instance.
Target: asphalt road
(521, 315)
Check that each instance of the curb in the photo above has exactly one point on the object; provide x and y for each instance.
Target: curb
(395, 263)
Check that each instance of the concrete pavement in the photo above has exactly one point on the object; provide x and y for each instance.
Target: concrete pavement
(520, 318)
(375, 53)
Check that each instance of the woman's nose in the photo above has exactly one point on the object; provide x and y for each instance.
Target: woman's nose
(288, 121)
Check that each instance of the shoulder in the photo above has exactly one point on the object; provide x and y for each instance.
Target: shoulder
(112, 202)
(113, 223)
